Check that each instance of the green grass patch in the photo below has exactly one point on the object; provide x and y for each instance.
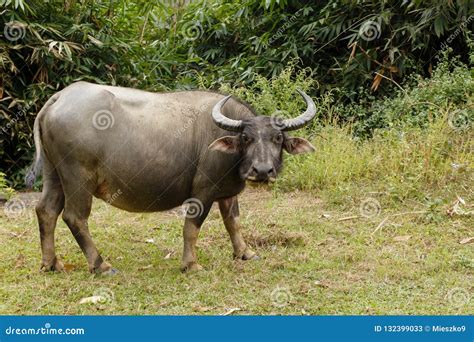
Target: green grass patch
(411, 163)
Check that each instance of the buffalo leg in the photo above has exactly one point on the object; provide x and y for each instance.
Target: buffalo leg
(47, 210)
(78, 190)
(190, 234)
(229, 209)
(192, 226)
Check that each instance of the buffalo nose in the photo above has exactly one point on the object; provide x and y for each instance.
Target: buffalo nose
(262, 171)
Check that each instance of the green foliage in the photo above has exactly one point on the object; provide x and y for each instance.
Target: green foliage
(346, 42)
(449, 90)
(268, 96)
(5, 190)
(239, 46)
(46, 46)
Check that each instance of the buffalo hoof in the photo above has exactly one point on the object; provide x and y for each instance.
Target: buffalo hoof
(248, 255)
(191, 267)
(110, 272)
(54, 266)
(105, 269)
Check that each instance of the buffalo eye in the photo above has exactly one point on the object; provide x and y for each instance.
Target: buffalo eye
(245, 138)
(278, 138)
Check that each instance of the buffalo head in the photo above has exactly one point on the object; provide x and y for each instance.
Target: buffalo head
(261, 140)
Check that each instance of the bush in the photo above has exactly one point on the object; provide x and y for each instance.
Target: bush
(349, 43)
(450, 89)
(276, 95)
(5, 190)
(46, 46)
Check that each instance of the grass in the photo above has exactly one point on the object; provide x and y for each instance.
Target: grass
(406, 162)
(369, 234)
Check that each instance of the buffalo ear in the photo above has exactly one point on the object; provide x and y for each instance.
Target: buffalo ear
(228, 144)
(298, 145)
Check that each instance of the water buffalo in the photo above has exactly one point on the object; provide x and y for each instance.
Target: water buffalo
(146, 152)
